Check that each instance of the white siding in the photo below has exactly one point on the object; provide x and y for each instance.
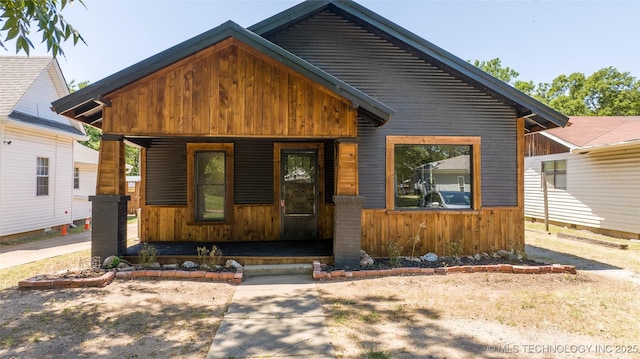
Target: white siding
(603, 190)
(88, 178)
(37, 100)
(21, 209)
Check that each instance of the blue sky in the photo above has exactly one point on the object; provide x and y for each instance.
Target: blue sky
(539, 39)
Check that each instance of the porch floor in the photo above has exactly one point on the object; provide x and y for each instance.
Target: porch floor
(317, 248)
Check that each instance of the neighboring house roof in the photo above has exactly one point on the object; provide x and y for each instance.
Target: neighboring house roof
(84, 154)
(18, 74)
(86, 104)
(538, 116)
(590, 132)
(454, 163)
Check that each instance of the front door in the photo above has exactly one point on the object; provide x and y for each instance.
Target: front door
(299, 194)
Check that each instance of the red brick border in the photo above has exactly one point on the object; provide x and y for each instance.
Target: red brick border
(104, 280)
(319, 274)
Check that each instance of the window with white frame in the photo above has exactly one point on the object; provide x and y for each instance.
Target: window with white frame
(555, 173)
(76, 178)
(42, 177)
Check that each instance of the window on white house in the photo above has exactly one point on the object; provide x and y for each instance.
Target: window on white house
(555, 173)
(76, 178)
(42, 177)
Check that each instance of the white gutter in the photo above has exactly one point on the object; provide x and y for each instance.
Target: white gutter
(49, 130)
(570, 145)
(607, 147)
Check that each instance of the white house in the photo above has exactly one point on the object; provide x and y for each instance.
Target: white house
(37, 166)
(592, 170)
(85, 175)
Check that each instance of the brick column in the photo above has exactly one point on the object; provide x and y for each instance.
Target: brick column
(109, 219)
(347, 230)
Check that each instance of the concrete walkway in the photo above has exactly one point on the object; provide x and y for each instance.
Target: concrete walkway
(48, 248)
(273, 317)
(34, 251)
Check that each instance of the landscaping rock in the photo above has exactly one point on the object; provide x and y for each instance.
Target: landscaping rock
(365, 259)
(503, 254)
(485, 255)
(430, 257)
(232, 264)
(111, 262)
(189, 265)
(477, 256)
(155, 265)
(170, 266)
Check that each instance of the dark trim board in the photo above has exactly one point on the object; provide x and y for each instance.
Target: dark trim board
(319, 248)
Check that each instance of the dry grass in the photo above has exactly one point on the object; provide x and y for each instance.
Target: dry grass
(477, 315)
(621, 258)
(128, 319)
(362, 314)
(9, 277)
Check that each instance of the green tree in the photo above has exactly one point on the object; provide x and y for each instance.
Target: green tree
(607, 92)
(132, 154)
(19, 15)
(494, 68)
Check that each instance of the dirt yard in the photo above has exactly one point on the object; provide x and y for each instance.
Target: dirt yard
(126, 319)
(479, 315)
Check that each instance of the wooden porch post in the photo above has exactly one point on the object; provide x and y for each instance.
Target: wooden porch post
(347, 231)
(109, 205)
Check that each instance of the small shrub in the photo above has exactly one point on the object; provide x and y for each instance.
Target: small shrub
(210, 257)
(455, 248)
(376, 354)
(394, 249)
(147, 255)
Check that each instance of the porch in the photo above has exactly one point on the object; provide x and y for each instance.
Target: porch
(245, 253)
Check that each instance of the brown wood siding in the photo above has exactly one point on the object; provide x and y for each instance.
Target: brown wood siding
(487, 230)
(536, 144)
(251, 223)
(347, 169)
(111, 169)
(228, 90)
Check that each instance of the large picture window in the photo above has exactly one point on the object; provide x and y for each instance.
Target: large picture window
(433, 173)
(210, 176)
(555, 173)
(42, 177)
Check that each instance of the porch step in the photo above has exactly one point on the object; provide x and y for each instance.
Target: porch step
(278, 269)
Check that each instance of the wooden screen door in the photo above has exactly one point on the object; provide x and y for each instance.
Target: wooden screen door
(299, 194)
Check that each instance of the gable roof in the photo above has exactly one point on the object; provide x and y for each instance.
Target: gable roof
(17, 74)
(589, 132)
(86, 104)
(538, 116)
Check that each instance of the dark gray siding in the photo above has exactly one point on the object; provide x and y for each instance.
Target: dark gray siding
(428, 102)
(253, 172)
(166, 171)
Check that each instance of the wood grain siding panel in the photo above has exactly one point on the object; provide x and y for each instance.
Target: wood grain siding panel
(536, 144)
(483, 231)
(347, 169)
(251, 223)
(229, 90)
(111, 169)
(428, 101)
